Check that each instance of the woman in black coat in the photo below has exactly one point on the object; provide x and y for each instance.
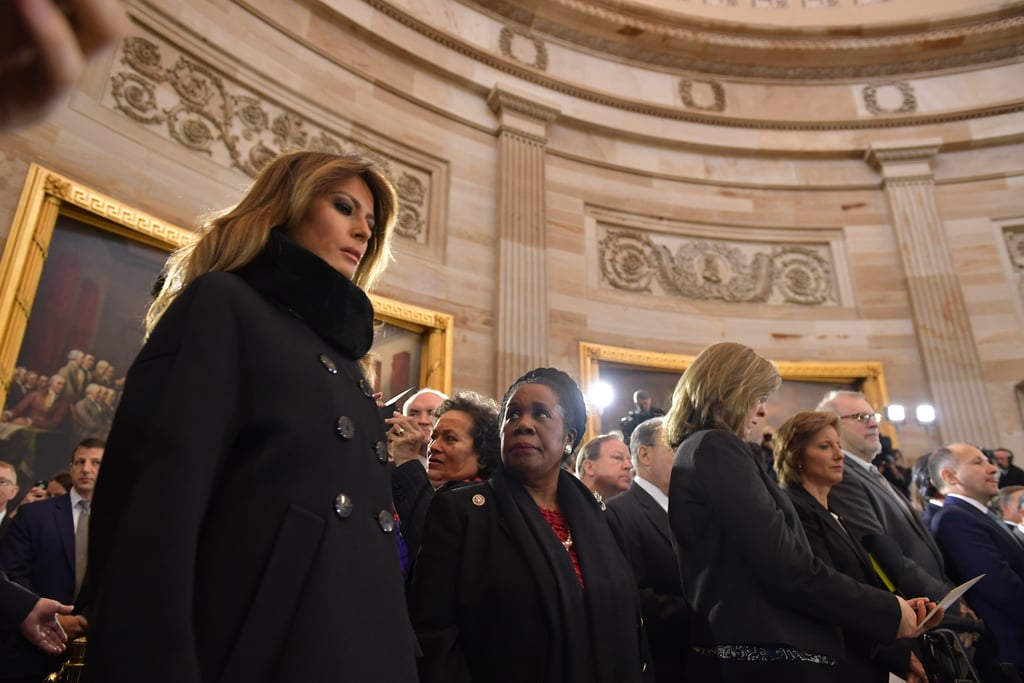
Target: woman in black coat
(243, 528)
(764, 607)
(463, 449)
(519, 578)
(809, 462)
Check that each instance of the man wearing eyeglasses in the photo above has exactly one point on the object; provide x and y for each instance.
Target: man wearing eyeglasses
(868, 504)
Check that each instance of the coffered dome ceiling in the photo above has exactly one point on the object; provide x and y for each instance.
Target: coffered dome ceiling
(782, 38)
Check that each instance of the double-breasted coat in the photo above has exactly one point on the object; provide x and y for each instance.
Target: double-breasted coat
(243, 528)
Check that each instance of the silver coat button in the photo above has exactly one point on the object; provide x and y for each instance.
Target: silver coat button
(386, 520)
(381, 450)
(345, 427)
(343, 506)
(365, 387)
(328, 364)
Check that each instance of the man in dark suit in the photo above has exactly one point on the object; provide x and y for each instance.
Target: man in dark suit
(1010, 502)
(1009, 474)
(639, 520)
(975, 542)
(869, 505)
(42, 552)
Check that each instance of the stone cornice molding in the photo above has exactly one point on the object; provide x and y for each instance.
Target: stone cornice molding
(689, 45)
(532, 75)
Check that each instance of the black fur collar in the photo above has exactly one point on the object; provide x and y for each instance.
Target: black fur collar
(309, 288)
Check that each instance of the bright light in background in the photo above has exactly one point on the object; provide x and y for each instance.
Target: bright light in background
(896, 413)
(926, 414)
(601, 395)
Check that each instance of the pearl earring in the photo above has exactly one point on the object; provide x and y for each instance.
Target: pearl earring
(568, 449)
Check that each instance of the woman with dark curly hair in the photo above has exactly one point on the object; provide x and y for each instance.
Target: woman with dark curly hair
(463, 448)
(519, 578)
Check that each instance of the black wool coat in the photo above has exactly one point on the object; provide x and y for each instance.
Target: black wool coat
(242, 527)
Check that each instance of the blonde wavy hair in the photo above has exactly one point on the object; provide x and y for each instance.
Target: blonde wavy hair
(718, 390)
(279, 197)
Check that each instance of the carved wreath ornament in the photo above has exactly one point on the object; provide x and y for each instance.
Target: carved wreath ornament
(707, 270)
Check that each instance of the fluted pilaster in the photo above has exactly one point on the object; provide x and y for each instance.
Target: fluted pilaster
(522, 309)
(941, 320)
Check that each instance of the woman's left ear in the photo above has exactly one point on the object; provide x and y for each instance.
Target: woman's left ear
(570, 437)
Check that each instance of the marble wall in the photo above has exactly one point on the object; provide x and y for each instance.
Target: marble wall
(673, 209)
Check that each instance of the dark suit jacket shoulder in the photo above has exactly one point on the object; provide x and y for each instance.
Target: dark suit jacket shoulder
(38, 551)
(641, 528)
(15, 604)
(975, 544)
(743, 552)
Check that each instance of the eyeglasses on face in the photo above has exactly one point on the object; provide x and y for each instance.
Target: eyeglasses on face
(6, 482)
(862, 417)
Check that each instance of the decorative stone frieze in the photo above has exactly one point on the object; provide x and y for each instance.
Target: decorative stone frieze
(730, 271)
(186, 101)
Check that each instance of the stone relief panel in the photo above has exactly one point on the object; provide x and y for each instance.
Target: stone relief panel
(720, 270)
(767, 4)
(524, 48)
(896, 97)
(195, 106)
(1014, 237)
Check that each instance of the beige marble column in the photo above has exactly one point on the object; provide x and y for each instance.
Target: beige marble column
(521, 325)
(941, 319)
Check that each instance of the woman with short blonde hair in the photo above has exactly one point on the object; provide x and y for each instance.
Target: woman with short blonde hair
(763, 607)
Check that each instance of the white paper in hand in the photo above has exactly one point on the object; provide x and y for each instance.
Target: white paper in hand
(951, 597)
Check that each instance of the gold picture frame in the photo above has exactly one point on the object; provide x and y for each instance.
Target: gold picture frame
(869, 376)
(48, 195)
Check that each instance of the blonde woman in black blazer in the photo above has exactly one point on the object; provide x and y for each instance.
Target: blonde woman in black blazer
(764, 607)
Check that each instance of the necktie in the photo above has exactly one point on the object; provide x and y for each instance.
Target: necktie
(81, 544)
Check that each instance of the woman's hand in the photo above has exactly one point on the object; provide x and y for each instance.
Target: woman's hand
(921, 607)
(908, 620)
(405, 440)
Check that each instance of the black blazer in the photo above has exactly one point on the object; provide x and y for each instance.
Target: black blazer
(865, 661)
(641, 528)
(242, 527)
(747, 568)
(486, 592)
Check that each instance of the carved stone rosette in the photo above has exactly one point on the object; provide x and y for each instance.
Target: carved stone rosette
(192, 104)
(704, 270)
